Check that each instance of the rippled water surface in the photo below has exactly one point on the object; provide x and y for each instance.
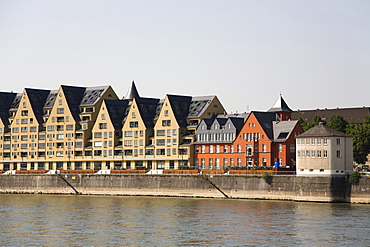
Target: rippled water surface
(55, 220)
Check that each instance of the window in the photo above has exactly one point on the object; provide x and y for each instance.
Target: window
(211, 148)
(174, 132)
(225, 162)
(24, 113)
(318, 153)
(69, 127)
(339, 155)
(24, 104)
(166, 122)
(298, 154)
(174, 141)
(313, 141)
(33, 129)
(103, 116)
(217, 148)
(102, 125)
(203, 149)
(16, 130)
(298, 141)
(318, 141)
(24, 137)
(161, 132)
(133, 114)
(128, 143)
(60, 136)
(325, 153)
(42, 137)
(98, 144)
(239, 162)
(24, 121)
(67, 118)
(325, 142)
(134, 124)
(141, 133)
(60, 127)
(161, 142)
(264, 162)
(166, 113)
(226, 149)
(60, 110)
(24, 129)
(308, 153)
(239, 148)
(128, 133)
(98, 135)
(292, 148)
(264, 148)
(308, 141)
(168, 133)
(338, 141)
(313, 154)
(280, 148)
(249, 149)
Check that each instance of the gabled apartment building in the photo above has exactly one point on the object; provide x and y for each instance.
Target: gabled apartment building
(265, 139)
(90, 128)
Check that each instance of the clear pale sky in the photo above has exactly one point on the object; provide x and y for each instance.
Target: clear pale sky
(316, 53)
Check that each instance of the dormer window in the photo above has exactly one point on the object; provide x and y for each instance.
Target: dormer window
(216, 126)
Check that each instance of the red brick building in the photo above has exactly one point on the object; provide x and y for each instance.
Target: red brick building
(265, 139)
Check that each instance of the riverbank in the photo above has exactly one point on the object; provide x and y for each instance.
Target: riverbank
(293, 188)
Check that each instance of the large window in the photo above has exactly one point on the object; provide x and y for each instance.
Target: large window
(166, 122)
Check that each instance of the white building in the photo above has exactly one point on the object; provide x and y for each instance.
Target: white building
(322, 151)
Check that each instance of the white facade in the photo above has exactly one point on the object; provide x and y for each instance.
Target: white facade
(324, 155)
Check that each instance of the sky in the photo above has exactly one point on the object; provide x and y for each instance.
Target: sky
(315, 53)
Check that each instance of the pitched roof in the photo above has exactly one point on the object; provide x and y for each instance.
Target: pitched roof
(280, 106)
(238, 123)
(50, 99)
(148, 108)
(283, 129)
(117, 110)
(37, 98)
(322, 130)
(92, 95)
(73, 96)
(198, 105)
(356, 114)
(180, 106)
(132, 92)
(6, 100)
(265, 120)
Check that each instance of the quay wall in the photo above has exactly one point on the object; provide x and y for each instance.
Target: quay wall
(319, 189)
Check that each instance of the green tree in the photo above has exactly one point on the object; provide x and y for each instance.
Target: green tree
(337, 122)
(361, 140)
(302, 123)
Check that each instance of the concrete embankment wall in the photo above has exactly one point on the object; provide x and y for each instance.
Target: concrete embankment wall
(325, 189)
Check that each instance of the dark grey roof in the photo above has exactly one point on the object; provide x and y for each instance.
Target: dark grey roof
(180, 106)
(117, 110)
(16, 101)
(37, 98)
(6, 100)
(283, 129)
(132, 92)
(198, 105)
(322, 130)
(266, 119)
(356, 115)
(147, 108)
(51, 99)
(73, 96)
(238, 123)
(280, 106)
(92, 95)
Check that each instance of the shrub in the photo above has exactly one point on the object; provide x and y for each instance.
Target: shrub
(354, 177)
(267, 177)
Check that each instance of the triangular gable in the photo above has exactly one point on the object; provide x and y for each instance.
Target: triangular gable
(73, 97)
(180, 108)
(282, 130)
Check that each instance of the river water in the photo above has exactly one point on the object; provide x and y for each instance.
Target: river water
(57, 220)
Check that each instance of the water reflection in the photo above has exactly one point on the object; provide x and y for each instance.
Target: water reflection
(99, 220)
